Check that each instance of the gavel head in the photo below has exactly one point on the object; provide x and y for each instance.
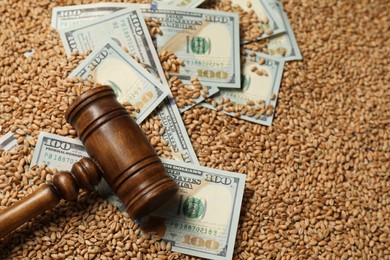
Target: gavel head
(129, 163)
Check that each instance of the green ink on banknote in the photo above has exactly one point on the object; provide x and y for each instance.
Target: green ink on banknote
(200, 45)
(193, 208)
(245, 80)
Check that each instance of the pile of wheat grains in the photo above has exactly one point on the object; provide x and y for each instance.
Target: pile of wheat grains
(318, 179)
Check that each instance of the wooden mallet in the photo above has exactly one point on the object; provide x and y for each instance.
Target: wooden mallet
(121, 154)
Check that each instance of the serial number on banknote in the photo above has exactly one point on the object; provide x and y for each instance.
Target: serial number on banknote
(49, 157)
(191, 227)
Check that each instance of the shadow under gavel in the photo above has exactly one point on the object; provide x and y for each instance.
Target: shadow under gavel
(124, 158)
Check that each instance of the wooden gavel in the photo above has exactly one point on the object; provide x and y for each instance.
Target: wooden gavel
(124, 158)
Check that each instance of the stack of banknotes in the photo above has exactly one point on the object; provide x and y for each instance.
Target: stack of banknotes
(202, 219)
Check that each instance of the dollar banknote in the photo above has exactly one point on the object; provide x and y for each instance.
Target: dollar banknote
(60, 152)
(263, 11)
(261, 81)
(180, 3)
(7, 141)
(127, 28)
(175, 132)
(272, 7)
(284, 45)
(195, 221)
(201, 220)
(206, 40)
(108, 64)
(67, 16)
(57, 151)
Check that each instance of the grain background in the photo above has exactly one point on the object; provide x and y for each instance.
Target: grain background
(318, 179)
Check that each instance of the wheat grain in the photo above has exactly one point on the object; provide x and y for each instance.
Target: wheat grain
(317, 180)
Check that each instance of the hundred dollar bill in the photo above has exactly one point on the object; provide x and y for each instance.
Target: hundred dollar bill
(127, 27)
(201, 220)
(272, 7)
(57, 151)
(61, 153)
(180, 3)
(68, 16)
(8, 142)
(206, 40)
(284, 45)
(261, 81)
(109, 64)
(263, 11)
(175, 132)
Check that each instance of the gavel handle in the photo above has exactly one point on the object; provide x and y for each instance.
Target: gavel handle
(44, 198)
(84, 174)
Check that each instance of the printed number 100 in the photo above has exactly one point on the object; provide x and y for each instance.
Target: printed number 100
(200, 242)
(212, 74)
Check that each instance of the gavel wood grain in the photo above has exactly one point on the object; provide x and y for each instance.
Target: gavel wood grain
(128, 162)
